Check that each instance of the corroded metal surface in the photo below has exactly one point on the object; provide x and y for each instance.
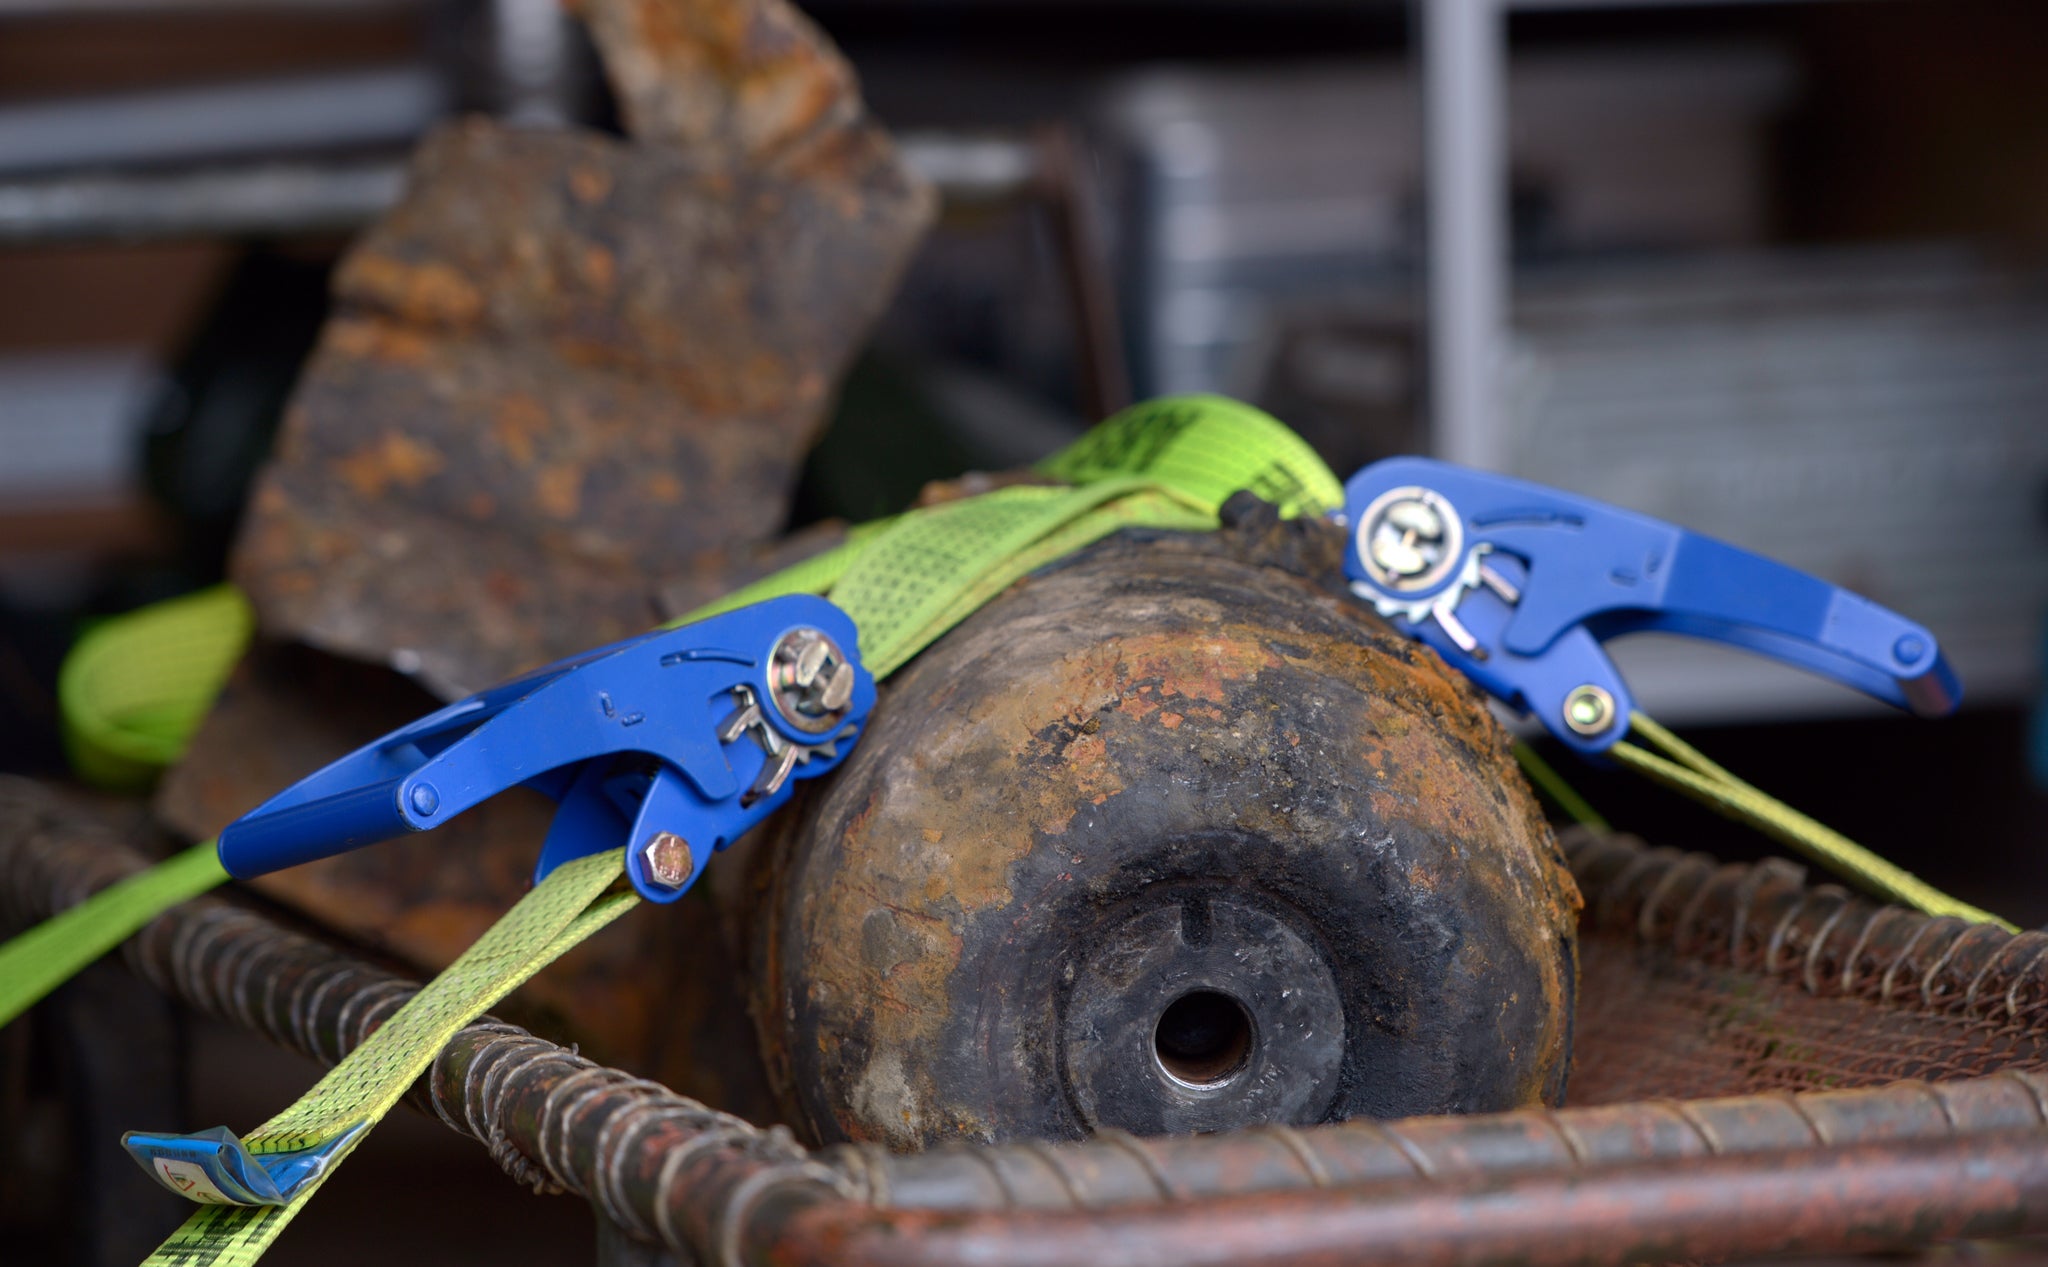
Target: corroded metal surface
(1169, 768)
(566, 363)
(1814, 1201)
(563, 394)
(1815, 1172)
(754, 82)
(561, 368)
(1356, 1154)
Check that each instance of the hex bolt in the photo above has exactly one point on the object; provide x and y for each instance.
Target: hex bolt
(1589, 710)
(668, 860)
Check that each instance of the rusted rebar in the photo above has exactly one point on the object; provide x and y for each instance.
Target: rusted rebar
(1700, 978)
(1117, 1170)
(1765, 918)
(1805, 1201)
(1815, 1172)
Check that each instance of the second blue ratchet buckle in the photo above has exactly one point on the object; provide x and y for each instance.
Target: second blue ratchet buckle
(672, 744)
(1517, 586)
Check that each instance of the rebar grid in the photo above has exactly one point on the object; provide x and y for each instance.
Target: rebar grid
(1820, 1171)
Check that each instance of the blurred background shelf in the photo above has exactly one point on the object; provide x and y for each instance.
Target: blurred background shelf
(1769, 269)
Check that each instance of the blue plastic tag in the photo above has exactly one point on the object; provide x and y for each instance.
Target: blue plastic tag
(214, 1167)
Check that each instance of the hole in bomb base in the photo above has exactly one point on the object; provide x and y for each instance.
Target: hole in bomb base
(1203, 1039)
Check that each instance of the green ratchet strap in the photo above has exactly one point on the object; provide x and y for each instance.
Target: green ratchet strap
(1685, 769)
(1562, 794)
(54, 951)
(1168, 464)
(135, 688)
(132, 692)
(326, 1124)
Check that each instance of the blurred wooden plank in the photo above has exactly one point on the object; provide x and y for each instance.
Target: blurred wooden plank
(126, 526)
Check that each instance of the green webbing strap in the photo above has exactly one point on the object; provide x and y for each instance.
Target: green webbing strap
(135, 687)
(1168, 463)
(51, 953)
(814, 575)
(1686, 769)
(563, 909)
(132, 692)
(1552, 784)
(904, 582)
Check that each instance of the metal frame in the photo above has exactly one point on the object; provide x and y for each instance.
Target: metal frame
(673, 1181)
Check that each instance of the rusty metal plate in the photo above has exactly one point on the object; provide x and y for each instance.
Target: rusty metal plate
(756, 83)
(567, 363)
(562, 367)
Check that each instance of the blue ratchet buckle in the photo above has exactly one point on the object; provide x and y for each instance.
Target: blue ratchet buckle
(1517, 586)
(672, 744)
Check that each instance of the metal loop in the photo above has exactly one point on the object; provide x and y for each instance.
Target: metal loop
(558, 1112)
(1810, 976)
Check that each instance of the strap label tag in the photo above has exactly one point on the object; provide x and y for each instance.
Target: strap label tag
(214, 1167)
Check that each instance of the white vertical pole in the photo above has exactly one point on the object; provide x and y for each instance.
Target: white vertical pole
(1464, 65)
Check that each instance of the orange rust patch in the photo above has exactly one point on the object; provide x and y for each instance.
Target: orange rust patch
(1171, 721)
(270, 499)
(933, 835)
(515, 422)
(1197, 668)
(372, 340)
(558, 491)
(589, 184)
(664, 487)
(393, 459)
(1088, 760)
(600, 268)
(840, 960)
(432, 293)
(504, 586)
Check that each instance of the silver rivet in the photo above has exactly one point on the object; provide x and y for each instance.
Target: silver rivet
(811, 680)
(811, 659)
(838, 691)
(668, 860)
(1588, 710)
